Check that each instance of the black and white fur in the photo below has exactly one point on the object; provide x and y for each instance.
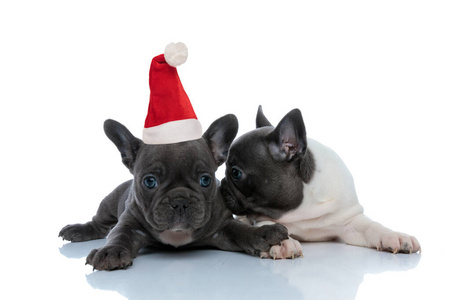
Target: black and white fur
(280, 175)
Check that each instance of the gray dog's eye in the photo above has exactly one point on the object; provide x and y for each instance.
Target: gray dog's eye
(205, 181)
(150, 182)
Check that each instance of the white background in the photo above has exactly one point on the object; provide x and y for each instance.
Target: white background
(372, 80)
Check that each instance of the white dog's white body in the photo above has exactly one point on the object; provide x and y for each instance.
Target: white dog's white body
(330, 210)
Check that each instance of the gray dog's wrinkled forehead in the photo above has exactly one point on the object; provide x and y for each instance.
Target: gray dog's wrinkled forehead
(178, 154)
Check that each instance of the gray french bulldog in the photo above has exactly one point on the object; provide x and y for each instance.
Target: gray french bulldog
(277, 174)
(173, 201)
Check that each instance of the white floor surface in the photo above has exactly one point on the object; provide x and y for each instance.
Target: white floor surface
(327, 271)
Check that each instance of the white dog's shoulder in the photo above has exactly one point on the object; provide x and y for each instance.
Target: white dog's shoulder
(330, 189)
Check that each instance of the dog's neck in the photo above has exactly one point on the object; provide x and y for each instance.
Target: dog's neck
(307, 166)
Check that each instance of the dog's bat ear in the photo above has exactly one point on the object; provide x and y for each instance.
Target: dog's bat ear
(261, 120)
(288, 140)
(127, 144)
(220, 135)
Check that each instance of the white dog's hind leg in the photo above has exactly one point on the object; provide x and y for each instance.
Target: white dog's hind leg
(362, 231)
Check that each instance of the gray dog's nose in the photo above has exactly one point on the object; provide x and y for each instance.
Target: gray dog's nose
(179, 203)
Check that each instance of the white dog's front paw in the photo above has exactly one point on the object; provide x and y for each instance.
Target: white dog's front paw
(289, 248)
(398, 242)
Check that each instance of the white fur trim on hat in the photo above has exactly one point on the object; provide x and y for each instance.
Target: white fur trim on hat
(173, 132)
(176, 54)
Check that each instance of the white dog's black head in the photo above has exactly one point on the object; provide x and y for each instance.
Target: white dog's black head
(266, 167)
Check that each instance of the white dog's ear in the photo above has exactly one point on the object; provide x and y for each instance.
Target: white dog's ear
(127, 144)
(288, 140)
(261, 120)
(220, 135)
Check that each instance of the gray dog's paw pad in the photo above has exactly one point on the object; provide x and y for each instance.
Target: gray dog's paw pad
(265, 237)
(73, 233)
(273, 234)
(109, 258)
(80, 232)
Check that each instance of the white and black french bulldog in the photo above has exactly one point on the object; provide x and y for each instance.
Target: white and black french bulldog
(280, 175)
(173, 201)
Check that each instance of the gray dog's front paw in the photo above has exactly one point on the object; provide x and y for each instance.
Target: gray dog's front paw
(81, 232)
(110, 258)
(265, 237)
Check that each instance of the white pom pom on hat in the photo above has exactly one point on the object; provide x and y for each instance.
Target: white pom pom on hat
(176, 54)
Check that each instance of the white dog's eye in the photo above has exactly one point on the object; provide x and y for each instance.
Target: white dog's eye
(236, 174)
(150, 182)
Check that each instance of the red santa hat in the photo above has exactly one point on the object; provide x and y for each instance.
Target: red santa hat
(170, 118)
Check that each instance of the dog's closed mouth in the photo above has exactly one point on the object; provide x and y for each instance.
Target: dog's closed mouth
(176, 237)
(181, 227)
(231, 202)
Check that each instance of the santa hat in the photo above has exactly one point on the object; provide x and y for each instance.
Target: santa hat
(170, 118)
